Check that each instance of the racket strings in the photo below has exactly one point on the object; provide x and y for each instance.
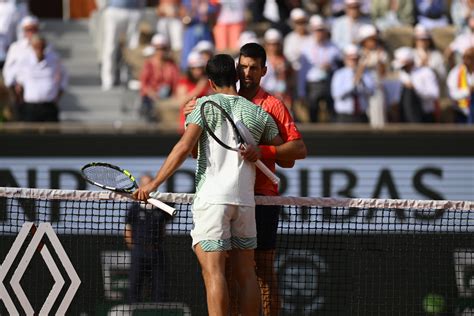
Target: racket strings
(109, 177)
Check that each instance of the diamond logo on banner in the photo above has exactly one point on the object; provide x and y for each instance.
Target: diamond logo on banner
(43, 229)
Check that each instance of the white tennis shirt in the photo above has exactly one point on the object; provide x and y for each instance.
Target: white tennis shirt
(222, 176)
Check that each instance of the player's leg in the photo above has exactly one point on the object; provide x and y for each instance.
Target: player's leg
(213, 271)
(244, 242)
(243, 268)
(268, 282)
(267, 225)
(211, 241)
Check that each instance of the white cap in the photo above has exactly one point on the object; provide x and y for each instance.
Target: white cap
(29, 20)
(366, 31)
(272, 36)
(421, 32)
(351, 50)
(351, 2)
(159, 40)
(298, 14)
(316, 22)
(148, 51)
(204, 46)
(403, 56)
(195, 59)
(247, 37)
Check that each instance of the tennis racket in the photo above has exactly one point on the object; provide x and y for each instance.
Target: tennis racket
(114, 178)
(214, 117)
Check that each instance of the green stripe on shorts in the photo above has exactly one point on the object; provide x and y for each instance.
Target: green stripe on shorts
(244, 243)
(215, 245)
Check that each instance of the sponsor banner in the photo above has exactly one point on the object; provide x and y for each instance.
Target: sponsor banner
(408, 178)
(366, 177)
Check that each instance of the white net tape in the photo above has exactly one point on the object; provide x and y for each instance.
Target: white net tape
(186, 198)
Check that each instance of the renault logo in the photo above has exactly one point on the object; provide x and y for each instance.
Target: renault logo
(36, 244)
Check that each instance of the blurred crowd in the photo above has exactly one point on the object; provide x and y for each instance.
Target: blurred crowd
(33, 77)
(365, 61)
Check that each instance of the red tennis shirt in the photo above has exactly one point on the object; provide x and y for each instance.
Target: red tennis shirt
(288, 132)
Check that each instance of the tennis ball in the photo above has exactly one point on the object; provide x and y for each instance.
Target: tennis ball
(433, 303)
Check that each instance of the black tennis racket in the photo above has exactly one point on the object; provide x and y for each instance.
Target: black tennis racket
(218, 123)
(114, 178)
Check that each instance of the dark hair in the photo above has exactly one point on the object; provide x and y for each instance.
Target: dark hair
(221, 70)
(254, 50)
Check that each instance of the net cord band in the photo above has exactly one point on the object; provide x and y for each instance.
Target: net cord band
(187, 198)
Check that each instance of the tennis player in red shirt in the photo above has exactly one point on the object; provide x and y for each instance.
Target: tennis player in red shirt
(251, 68)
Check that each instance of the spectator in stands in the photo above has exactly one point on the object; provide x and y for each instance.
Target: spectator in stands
(279, 77)
(194, 84)
(198, 17)
(170, 24)
(460, 84)
(351, 88)
(460, 12)
(206, 49)
(6, 103)
(229, 25)
(338, 7)
(281, 13)
(374, 59)
(392, 13)
(318, 7)
(40, 82)
(292, 42)
(426, 53)
(8, 23)
(158, 78)
(248, 37)
(319, 59)
(345, 28)
(419, 90)
(134, 58)
(431, 13)
(144, 236)
(120, 17)
(18, 49)
(461, 42)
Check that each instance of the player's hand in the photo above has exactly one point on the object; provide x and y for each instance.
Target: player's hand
(189, 106)
(143, 192)
(250, 153)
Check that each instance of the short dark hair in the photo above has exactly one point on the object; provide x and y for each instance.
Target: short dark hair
(254, 50)
(221, 70)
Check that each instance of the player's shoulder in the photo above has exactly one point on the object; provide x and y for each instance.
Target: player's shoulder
(270, 102)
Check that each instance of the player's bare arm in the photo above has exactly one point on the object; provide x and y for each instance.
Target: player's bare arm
(178, 155)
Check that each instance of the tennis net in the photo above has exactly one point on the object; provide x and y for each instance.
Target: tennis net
(69, 252)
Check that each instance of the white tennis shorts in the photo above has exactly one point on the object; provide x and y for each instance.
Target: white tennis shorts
(221, 227)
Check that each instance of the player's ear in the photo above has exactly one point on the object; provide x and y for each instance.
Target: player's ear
(264, 71)
(212, 84)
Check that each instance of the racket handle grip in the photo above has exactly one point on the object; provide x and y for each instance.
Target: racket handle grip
(273, 177)
(164, 207)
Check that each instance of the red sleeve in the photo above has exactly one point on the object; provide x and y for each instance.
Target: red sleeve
(283, 119)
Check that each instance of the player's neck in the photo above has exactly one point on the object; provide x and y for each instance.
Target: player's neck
(248, 93)
(226, 90)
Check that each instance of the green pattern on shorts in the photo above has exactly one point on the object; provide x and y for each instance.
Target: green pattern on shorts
(244, 243)
(215, 245)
